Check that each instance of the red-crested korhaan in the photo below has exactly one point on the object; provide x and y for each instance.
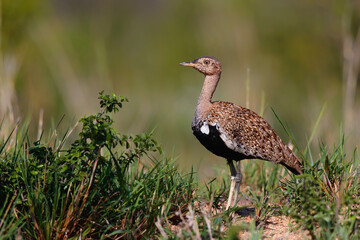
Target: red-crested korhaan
(235, 132)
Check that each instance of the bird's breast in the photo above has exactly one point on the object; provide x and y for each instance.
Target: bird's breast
(211, 137)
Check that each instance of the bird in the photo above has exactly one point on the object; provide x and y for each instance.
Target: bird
(234, 132)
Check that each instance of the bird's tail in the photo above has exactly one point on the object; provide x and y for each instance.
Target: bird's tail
(293, 164)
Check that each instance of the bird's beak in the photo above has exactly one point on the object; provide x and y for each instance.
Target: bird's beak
(187, 64)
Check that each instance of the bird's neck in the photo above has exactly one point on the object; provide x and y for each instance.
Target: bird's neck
(207, 91)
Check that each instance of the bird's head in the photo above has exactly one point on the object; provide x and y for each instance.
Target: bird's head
(205, 65)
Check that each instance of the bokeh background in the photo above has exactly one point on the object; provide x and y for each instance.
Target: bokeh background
(293, 56)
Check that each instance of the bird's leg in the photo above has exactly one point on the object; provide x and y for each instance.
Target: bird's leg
(238, 180)
(233, 182)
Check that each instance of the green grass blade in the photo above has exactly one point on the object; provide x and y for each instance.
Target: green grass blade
(285, 128)
(6, 141)
(315, 127)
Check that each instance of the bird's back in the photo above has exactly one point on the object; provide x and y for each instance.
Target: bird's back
(238, 133)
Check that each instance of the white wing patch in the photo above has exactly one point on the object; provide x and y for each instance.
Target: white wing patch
(228, 141)
(216, 125)
(234, 146)
(205, 128)
(230, 144)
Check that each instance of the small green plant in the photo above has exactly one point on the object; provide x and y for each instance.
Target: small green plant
(263, 202)
(321, 199)
(104, 185)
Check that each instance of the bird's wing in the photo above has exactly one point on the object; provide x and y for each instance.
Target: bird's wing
(243, 131)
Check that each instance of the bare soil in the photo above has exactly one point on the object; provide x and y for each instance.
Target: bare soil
(277, 228)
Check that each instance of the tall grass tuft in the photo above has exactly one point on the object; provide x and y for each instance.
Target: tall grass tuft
(325, 199)
(103, 185)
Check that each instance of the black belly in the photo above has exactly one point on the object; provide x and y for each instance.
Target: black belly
(216, 145)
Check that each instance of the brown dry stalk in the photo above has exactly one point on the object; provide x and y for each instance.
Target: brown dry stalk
(7, 210)
(161, 229)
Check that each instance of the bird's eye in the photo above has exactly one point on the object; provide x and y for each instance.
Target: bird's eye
(206, 62)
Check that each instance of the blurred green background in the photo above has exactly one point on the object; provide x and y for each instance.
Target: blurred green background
(57, 55)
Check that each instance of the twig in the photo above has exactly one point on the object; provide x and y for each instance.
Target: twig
(161, 229)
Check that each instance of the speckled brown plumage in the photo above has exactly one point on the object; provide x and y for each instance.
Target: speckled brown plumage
(234, 132)
(251, 136)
